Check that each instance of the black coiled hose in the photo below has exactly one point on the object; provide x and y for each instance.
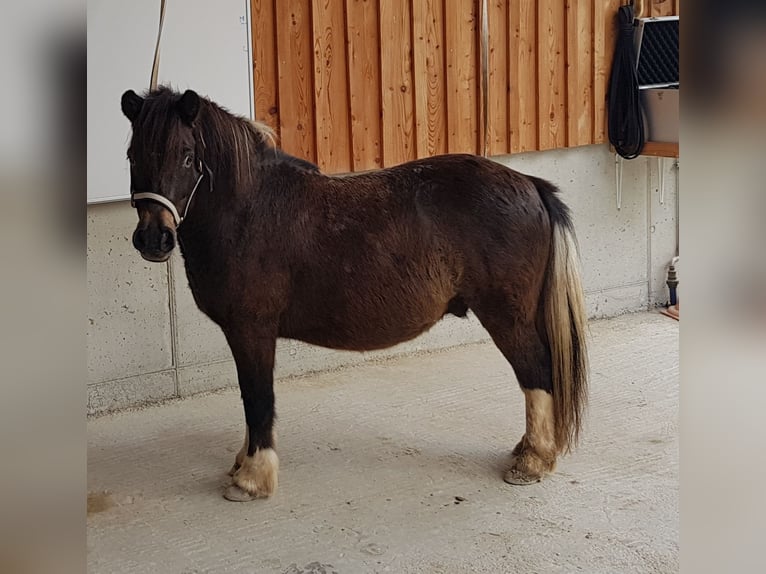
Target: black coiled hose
(626, 121)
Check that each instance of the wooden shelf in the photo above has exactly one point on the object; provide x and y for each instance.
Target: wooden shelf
(660, 149)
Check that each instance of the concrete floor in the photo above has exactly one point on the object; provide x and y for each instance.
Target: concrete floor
(373, 459)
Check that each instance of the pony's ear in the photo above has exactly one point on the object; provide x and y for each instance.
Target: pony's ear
(188, 106)
(131, 104)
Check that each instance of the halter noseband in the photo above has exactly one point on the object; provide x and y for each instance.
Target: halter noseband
(165, 202)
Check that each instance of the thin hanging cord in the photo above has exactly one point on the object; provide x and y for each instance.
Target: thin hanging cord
(626, 121)
(156, 64)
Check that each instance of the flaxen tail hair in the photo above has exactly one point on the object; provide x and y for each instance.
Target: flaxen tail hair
(565, 322)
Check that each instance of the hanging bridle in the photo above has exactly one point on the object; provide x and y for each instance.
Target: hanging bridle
(201, 166)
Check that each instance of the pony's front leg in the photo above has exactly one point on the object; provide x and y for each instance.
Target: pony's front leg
(239, 459)
(256, 466)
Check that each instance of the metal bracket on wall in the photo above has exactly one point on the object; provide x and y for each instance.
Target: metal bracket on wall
(618, 164)
(661, 176)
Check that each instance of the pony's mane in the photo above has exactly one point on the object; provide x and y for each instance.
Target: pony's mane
(230, 143)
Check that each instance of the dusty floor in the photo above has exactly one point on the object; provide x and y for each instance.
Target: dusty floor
(373, 459)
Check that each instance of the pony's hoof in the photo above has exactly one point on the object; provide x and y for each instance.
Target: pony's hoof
(518, 478)
(236, 494)
(234, 469)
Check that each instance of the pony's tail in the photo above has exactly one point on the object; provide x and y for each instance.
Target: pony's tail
(563, 306)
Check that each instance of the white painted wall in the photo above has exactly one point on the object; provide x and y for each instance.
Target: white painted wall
(147, 341)
(205, 46)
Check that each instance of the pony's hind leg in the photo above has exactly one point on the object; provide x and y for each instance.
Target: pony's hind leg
(535, 454)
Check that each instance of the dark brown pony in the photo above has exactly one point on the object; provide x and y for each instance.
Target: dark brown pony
(274, 248)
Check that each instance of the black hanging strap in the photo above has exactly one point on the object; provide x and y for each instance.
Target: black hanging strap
(625, 122)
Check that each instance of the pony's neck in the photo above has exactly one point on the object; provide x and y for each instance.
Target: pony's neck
(232, 147)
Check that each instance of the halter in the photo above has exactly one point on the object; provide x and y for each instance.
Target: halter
(169, 205)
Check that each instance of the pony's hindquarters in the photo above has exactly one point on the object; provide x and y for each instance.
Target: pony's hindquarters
(536, 317)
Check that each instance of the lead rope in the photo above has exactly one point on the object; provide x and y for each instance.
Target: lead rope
(156, 64)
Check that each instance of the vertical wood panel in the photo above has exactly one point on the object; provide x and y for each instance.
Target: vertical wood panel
(604, 38)
(662, 8)
(358, 84)
(499, 129)
(523, 75)
(264, 62)
(579, 72)
(364, 83)
(296, 88)
(396, 82)
(462, 88)
(600, 73)
(430, 87)
(552, 89)
(331, 87)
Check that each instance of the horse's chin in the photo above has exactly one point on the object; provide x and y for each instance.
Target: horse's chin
(156, 258)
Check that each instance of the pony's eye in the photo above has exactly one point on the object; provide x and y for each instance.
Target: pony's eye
(188, 160)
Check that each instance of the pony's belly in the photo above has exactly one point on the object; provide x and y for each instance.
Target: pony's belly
(370, 338)
(369, 304)
(362, 329)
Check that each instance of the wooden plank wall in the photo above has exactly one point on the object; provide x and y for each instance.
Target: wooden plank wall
(359, 84)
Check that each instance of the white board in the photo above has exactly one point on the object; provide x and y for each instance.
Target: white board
(205, 46)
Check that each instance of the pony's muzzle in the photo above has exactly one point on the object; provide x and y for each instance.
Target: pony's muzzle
(154, 243)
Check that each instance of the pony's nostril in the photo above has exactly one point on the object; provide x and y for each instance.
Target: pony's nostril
(139, 240)
(167, 240)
